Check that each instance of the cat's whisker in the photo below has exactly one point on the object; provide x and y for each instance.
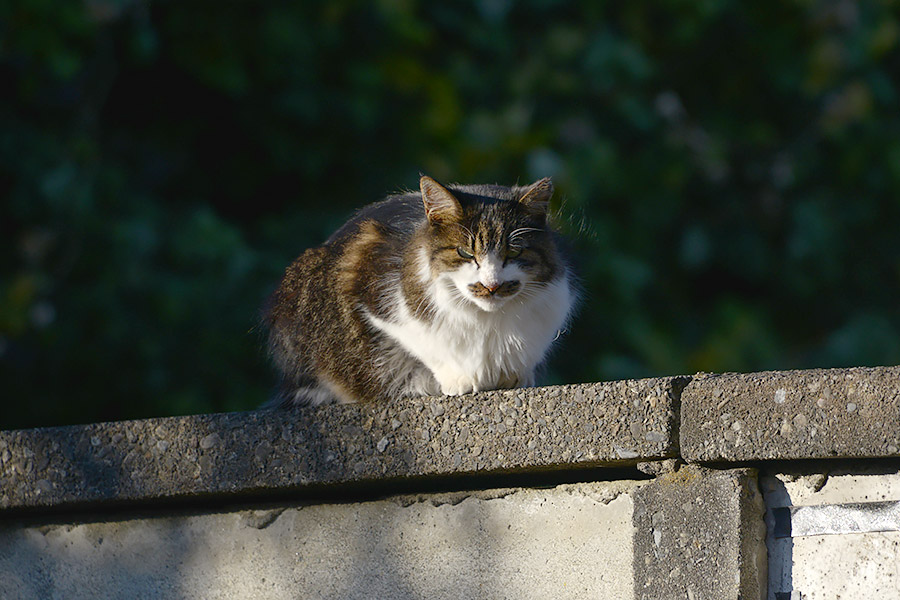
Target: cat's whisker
(521, 231)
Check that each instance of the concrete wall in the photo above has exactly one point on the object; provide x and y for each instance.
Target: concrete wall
(688, 489)
(501, 544)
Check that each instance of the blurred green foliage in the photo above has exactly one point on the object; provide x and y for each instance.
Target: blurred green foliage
(730, 172)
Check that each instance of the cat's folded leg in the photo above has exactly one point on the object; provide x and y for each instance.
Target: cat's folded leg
(515, 380)
(421, 383)
(527, 379)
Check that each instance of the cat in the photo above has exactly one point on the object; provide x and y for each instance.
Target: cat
(449, 290)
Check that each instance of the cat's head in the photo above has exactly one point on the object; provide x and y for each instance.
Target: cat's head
(488, 245)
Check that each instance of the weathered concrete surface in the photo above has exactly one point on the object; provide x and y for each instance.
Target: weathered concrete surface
(792, 415)
(700, 535)
(820, 567)
(572, 541)
(612, 423)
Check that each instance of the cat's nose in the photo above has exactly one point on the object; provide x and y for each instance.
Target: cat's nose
(492, 287)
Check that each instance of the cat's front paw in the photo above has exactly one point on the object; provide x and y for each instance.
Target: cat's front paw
(458, 387)
(454, 383)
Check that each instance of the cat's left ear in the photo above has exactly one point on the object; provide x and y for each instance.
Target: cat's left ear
(440, 205)
(536, 197)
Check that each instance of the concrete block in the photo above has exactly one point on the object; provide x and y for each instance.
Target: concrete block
(569, 542)
(700, 535)
(613, 423)
(792, 415)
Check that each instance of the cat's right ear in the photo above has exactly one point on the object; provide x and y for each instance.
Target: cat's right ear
(440, 205)
(536, 197)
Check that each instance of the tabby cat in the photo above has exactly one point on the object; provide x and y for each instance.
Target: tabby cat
(447, 291)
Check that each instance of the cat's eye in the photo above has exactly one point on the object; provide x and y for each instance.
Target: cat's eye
(463, 253)
(513, 251)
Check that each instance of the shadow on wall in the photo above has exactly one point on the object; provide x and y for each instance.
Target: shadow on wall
(501, 544)
(479, 547)
(780, 549)
(85, 558)
(96, 560)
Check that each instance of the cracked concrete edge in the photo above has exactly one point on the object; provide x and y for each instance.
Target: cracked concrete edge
(618, 423)
(700, 533)
(788, 415)
(602, 492)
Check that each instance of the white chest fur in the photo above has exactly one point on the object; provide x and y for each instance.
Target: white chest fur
(470, 349)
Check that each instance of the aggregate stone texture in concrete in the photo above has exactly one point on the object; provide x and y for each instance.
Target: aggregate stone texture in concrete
(569, 542)
(613, 423)
(700, 534)
(792, 415)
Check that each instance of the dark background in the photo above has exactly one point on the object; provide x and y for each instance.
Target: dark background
(730, 173)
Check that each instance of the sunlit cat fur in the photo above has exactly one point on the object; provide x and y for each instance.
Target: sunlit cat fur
(447, 291)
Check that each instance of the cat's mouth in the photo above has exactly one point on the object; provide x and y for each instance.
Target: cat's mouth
(503, 290)
(491, 297)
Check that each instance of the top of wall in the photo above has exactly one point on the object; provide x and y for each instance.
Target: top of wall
(787, 415)
(730, 417)
(612, 423)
